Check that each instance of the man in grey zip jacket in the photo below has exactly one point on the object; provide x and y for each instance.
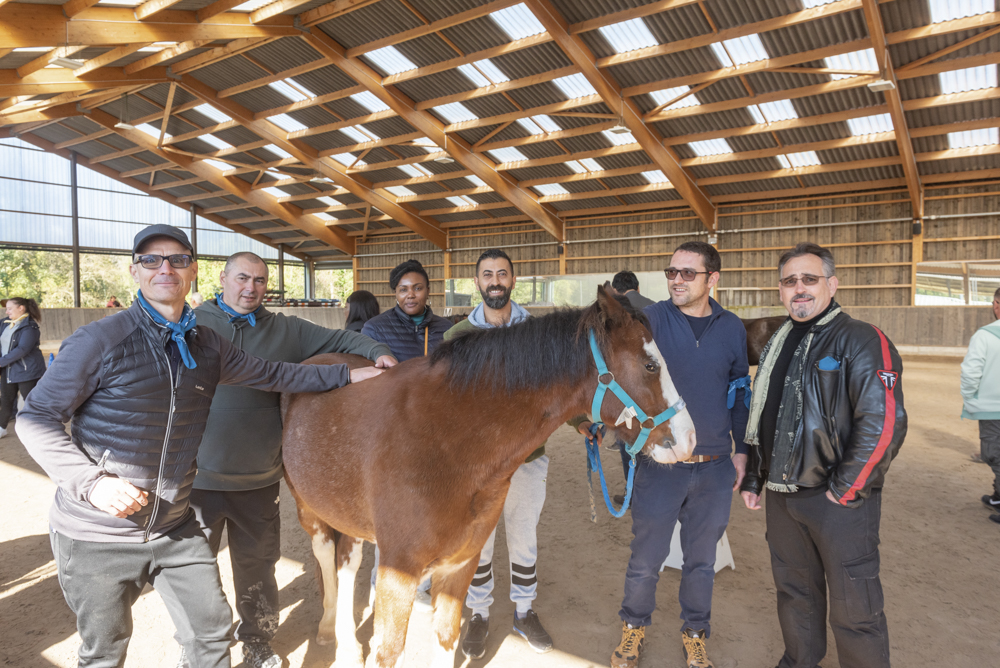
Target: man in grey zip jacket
(239, 474)
(137, 386)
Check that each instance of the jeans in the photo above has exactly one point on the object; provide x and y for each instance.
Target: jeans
(700, 497)
(989, 448)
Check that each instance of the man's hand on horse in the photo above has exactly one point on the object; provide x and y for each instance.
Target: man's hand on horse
(584, 429)
(740, 463)
(117, 497)
(751, 500)
(385, 361)
(364, 373)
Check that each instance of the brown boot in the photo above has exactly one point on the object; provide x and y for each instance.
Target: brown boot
(694, 646)
(626, 655)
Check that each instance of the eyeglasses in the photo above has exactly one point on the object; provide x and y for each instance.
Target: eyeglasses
(807, 279)
(178, 261)
(686, 274)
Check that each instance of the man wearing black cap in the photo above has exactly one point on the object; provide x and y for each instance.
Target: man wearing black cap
(137, 386)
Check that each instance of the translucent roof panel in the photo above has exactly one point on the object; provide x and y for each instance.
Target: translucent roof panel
(949, 10)
(710, 147)
(251, 5)
(355, 133)
(152, 131)
(286, 123)
(591, 165)
(426, 144)
(455, 112)
(972, 78)
(400, 191)
(619, 138)
(869, 125)
(474, 75)
(576, 167)
(476, 181)
(293, 93)
(346, 159)
(276, 192)
(740, 51)
(369, 101)
(507, 154)
(969, 138)
(390, 60)
(329, 201)
(574, 86)
(410, 170)
(664, 96)
(804, 159)
(215, 141)
(628, 35)
(278, 151)
(758, 117)
(863, 61)
(550, 189)
(491, 71)
(461, 200)
(212, 112)
(218, 164)
(518, 22)
(537, 125)
(809, 4)
(781, 110)
(656, 176)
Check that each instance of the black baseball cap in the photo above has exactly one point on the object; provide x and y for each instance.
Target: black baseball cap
(170, 231)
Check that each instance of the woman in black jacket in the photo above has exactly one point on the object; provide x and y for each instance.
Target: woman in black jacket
(21, 364)
(362, 306)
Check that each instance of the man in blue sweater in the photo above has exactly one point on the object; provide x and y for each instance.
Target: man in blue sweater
(705, 348)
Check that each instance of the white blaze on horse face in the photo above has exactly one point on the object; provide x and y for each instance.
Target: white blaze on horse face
(681, 424)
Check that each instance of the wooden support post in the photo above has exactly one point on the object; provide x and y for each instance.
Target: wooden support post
(916, 257)
(281, 272)
(194, 240)
(562, 259)
(966, 291)
(75, 212)
(354, 274)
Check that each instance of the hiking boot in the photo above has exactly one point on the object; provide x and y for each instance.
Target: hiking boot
(626, 655)
(478, 630)
(694, 647)
(260, 655)
(995, 518)
(530, 628)
(992, 501)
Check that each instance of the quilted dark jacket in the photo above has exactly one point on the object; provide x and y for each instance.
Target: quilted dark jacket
(134, 419)
(395, 329)
(853, 421)
(24, 360)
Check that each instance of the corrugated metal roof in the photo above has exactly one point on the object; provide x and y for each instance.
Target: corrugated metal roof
(867, 151)
(436, 85)
(371, 23)
(905, 14)
(284, 54)
(859, 176)
(667, 66)
(230, 72)
(720, 120)
(953, 113)
(728, 14)
(958, 164)
(653, 196)
(527, 62)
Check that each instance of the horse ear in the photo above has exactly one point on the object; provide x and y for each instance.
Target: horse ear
(609, 306)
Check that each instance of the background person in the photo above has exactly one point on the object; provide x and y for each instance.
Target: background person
(981, 397)
(137, 386)
(196, 299)
(237, 487)
(626, 284)
(21, 360)
(410, 328)
(826, 420)
(362, 306)
(113, 302)
(494, 278)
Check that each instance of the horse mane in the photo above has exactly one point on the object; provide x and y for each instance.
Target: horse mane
(531, 354)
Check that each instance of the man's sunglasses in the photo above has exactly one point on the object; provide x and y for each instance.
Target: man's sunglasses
(178, 261)
(807, 279)
(686, 274)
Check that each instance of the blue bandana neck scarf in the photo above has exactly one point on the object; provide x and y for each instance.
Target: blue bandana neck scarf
(177, 329)
(233, 315)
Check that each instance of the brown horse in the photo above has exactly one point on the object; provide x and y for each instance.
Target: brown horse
(759, 332)
(420, 458)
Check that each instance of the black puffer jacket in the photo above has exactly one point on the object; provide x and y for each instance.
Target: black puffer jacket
(395, 329)
(853, 421)
(132, 418)
(24, 360)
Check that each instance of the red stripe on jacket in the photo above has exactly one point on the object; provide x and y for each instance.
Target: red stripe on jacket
(888, 425)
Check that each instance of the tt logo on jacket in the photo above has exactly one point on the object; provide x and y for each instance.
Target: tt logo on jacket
(888, 378)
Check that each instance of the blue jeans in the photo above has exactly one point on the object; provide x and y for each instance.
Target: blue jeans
(700, 497)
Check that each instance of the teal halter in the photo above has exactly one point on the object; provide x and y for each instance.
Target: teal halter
(619, 391)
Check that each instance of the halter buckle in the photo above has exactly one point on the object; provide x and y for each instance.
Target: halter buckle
(602, 375)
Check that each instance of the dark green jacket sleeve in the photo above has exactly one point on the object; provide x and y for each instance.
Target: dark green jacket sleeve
(315, 340)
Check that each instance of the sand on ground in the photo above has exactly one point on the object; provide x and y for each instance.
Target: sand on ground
(939, 568)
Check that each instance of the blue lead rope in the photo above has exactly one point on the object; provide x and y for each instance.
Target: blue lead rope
(737, 384)
(594, 464)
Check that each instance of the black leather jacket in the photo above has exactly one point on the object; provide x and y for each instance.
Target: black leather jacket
(853, 421)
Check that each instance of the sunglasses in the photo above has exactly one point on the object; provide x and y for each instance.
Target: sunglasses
(686, 274)
(178, 261)
(807, 279)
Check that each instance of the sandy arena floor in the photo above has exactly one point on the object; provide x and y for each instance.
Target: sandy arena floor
(939, 568)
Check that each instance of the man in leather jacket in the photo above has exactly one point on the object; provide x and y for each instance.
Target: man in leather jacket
(826, 419)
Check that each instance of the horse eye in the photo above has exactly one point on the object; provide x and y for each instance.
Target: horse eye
(652, 367)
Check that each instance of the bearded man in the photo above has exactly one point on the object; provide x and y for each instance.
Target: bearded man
(495, 281)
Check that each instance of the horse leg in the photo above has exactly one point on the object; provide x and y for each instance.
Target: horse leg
(449, 590)
(348, 561)
(324, 547)
(394, 593)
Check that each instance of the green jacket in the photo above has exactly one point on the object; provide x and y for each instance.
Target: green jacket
(241, 448)
(981, 375)
(467, 326)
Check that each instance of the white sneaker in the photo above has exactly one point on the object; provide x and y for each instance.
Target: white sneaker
(3, 432)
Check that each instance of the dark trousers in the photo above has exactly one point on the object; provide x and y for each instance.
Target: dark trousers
(700, 496)
(989, 448)
(253, 521)
(101, 582)
(8, 396)
(815, 545)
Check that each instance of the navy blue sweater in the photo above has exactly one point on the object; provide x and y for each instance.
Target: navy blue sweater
(702, 370)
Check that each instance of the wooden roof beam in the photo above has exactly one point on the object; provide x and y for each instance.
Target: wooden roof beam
(309, 157)
(873, 18)
(611, 93)
(331, 10)
(45, 59)
(434, 130)
(47, 81)
(152, 7)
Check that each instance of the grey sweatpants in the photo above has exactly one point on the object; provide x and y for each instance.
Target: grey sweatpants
(101, 582)
(989, 448)
(521, 512)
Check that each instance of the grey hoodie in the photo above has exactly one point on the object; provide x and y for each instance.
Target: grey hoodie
(241, 448)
